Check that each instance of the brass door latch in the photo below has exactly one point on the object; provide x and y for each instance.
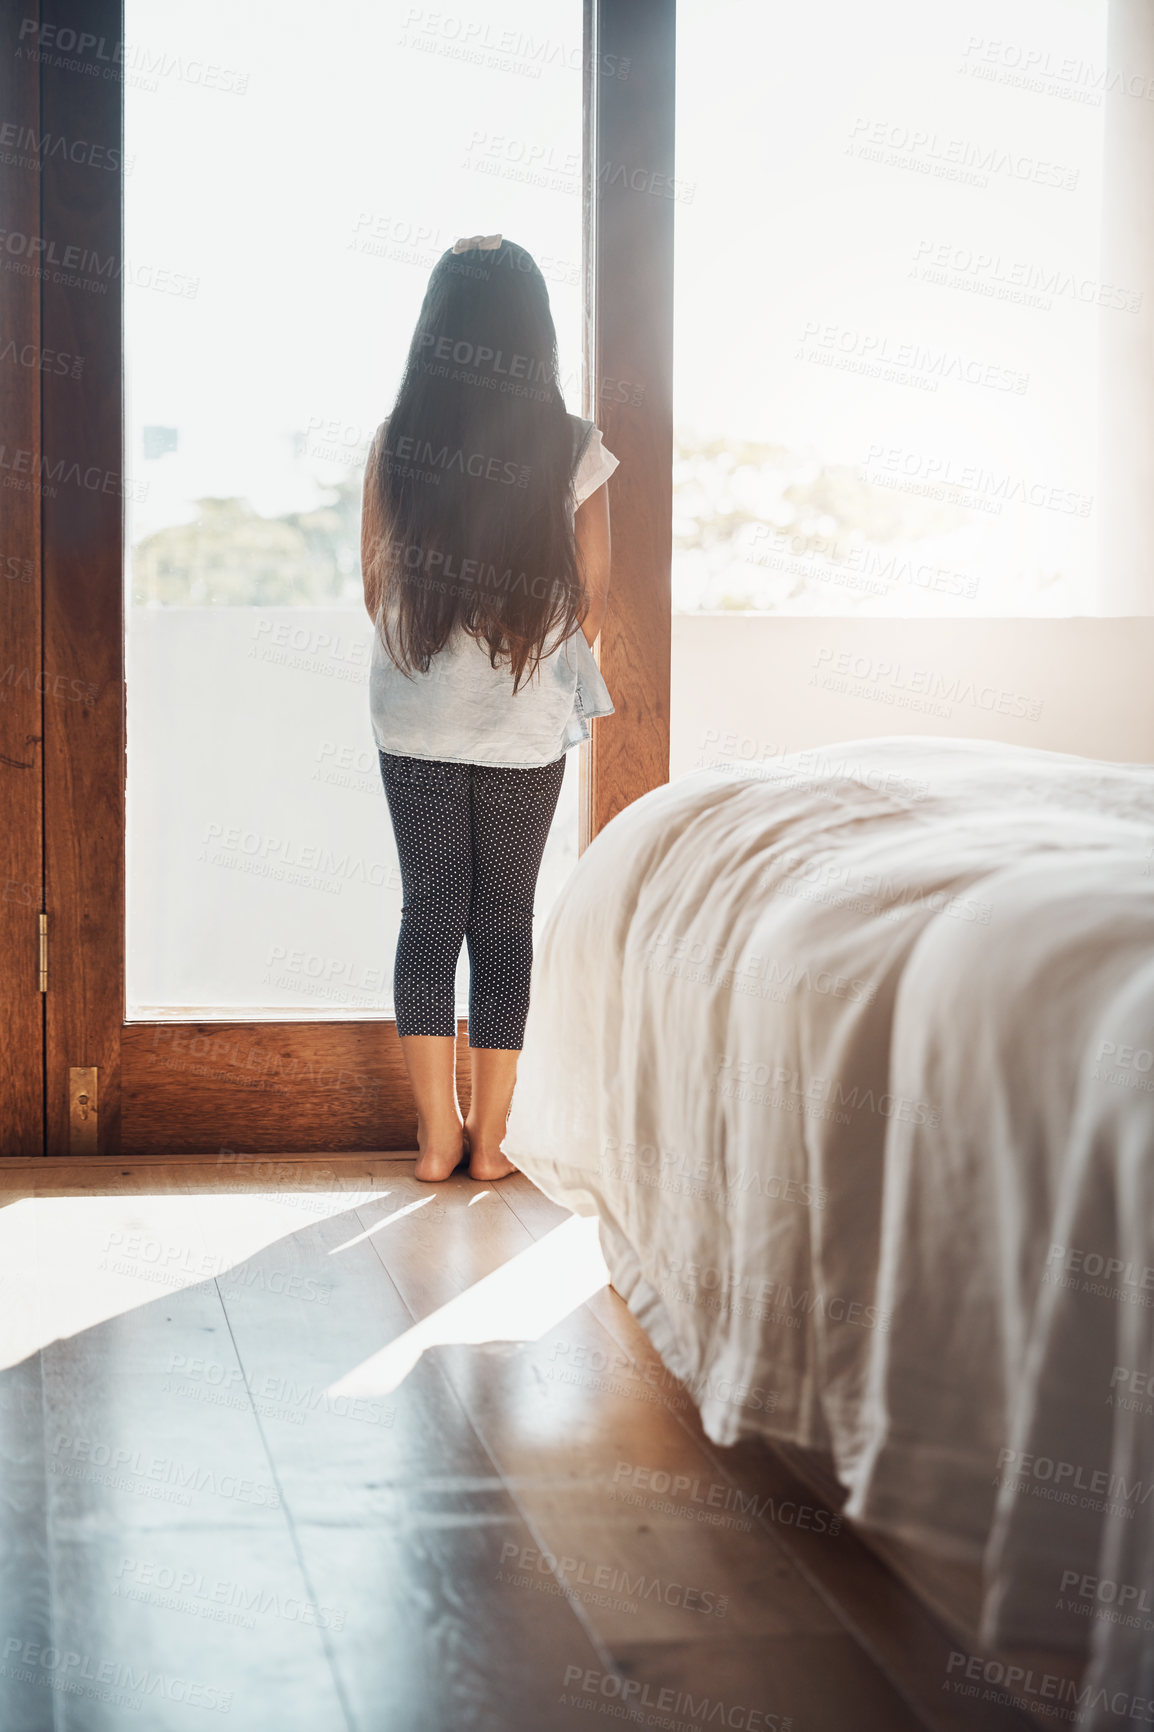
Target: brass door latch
(82, 1109)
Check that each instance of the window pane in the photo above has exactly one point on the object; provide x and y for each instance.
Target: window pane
(293, 177)
(887, 302)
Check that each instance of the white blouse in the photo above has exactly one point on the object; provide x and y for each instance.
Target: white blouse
(465, 710)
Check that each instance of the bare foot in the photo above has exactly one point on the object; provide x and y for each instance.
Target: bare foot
(487, 1161)
(439, 1156)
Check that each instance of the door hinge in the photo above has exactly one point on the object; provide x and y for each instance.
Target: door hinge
(44, 953)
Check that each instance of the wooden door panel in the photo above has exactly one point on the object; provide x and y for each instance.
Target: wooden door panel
(269, 1088)
(21, 651)
(82, 563)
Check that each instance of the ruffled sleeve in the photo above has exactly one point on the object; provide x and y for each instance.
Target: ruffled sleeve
(596, 466)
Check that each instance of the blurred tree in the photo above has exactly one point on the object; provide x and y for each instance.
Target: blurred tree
(734, 499)
(731, 500)
(231, 556)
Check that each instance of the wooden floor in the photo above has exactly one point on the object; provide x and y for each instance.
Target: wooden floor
(319, 1447)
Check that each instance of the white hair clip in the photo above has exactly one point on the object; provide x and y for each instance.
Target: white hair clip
(484, 243)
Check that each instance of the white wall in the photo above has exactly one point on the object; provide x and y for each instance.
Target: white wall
(750, 686)
(1126, 341)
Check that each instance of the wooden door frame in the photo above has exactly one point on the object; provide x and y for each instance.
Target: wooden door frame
(170, 1088)
(630, 64)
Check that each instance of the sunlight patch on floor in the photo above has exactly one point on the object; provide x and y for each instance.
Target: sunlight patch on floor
(521, 1301)
(70, 1263)
(360, 1238)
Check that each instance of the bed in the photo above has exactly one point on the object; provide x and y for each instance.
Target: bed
(852, 1054)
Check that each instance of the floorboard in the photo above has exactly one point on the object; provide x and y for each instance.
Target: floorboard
(752, 1481)
(151, 1513)
(402, 1527)
(569, 1432)
(319, 1446)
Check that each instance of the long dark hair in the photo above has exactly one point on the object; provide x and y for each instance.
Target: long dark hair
(474, 473)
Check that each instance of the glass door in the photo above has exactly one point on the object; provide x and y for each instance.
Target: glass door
(234, 256)
(230, 262)
(288, 192)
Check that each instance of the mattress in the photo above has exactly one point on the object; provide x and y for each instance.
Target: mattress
(852, 1054)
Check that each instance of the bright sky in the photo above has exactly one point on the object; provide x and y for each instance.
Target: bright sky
(358, 132)
(802, 262)
(787, 229)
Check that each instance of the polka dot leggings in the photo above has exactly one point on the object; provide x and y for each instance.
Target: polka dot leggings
(470, 839)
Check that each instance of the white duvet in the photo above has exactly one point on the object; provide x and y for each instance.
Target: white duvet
(853, 1055)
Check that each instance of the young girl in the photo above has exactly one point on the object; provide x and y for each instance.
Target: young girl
(485, 552)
